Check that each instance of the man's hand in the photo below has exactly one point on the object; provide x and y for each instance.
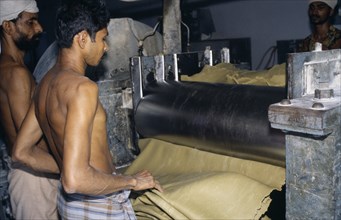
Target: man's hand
(145, 180)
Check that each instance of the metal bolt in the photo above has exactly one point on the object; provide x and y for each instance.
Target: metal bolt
(285, 102)
(317, 105)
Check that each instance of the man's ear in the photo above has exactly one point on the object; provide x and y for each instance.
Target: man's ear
(82, 38)
(331, 13)
(7, 26)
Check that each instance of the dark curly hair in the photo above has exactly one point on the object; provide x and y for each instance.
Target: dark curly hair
(78, 15)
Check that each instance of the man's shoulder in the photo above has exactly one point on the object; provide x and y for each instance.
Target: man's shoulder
(308, 38)
(67, 83)
(87, 86)
(74, 78)
(78, 81)
(336, 31)
(332, 27)
(14, 74)
(14, 69)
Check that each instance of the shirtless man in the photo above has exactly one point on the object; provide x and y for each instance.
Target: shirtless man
(33, 196)
(68, 110)
(321, 13)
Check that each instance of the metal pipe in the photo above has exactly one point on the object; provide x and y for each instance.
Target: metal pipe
(171, 27)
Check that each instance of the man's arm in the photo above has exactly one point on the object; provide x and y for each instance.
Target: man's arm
(25, 149)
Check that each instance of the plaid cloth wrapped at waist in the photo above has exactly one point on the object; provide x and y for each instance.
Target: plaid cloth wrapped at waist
(78, 206)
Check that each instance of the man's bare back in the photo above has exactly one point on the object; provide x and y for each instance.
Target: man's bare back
(64, 92)
(16, 89)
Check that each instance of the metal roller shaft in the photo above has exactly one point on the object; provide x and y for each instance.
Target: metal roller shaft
(226, 119)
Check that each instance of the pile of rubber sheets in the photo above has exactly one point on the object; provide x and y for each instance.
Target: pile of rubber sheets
(203, 185)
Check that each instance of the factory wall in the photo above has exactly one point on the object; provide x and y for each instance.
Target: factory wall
(264, 21)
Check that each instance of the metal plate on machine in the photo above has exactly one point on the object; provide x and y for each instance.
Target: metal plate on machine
(325, 74)
(305, 115)
(314, 70)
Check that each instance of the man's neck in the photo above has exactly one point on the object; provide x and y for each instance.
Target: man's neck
(69, 59)
(10, 50)
(321, 30)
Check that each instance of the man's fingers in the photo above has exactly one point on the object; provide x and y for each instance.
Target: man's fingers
(158, 186)
(145, 180)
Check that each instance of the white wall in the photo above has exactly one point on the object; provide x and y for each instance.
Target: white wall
(264, 21)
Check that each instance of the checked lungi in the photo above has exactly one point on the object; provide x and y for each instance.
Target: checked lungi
(78, 206)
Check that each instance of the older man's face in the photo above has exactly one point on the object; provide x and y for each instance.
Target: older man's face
(28, 31)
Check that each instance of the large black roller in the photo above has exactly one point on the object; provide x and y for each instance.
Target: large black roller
(225, 119)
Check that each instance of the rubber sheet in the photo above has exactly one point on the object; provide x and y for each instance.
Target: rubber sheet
(203, 185)
(229, 74)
